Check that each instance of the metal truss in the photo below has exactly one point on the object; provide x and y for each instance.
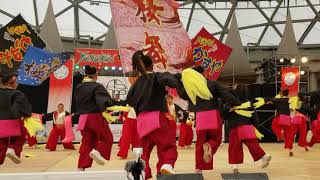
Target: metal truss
(204, 5)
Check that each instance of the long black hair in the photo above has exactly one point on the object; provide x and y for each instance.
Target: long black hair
(140, 63)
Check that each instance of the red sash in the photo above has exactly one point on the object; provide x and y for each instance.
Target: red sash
(284, 120)
(246, 132)
(148, 122)
(207, 120)
(10, 128)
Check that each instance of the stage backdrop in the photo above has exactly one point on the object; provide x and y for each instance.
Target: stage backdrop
(115, 85)
(60, 90)
(154, 27)
(96, 57)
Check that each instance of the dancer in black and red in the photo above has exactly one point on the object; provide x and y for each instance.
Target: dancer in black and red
(147, 97)
(91, 100)
(281, 124)
(14, 107)
(242, 123)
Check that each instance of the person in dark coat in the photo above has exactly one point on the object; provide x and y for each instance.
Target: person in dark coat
(92, 99)
(14, 107)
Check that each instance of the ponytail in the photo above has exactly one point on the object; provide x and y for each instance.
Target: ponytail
(138, 65)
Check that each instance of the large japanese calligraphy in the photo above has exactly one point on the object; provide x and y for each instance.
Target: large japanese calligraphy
(15, 38)
(210, 53)
(154, 27)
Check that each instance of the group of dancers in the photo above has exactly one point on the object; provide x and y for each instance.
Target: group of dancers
(150, 118)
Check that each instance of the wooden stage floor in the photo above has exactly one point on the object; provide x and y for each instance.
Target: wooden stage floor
(304, 165)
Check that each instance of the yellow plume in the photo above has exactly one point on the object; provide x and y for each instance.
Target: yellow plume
(246, 113)
(195, 85)
(258, 134)
(118, 108)
(260, 102)
(294, 103)
(278, 96)
(33, 125)
(108, 117)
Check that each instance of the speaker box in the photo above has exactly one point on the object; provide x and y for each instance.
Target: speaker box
(196, 176)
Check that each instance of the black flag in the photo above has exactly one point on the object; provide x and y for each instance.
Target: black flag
(15, 37)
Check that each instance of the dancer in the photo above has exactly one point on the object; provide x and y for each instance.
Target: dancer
(302, 111)
(58, 129)
(202, 96)
(14, 108)
(281, 124)
(314, 97)
(242, 125)
(91, 100)
(186, 132)
(147, 97)
(129, 134)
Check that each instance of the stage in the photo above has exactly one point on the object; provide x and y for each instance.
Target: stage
(304, 165)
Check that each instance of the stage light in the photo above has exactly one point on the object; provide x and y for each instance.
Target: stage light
(302, 72)
(113, 68)
(293, 60)
(120, 68)
(76, 66)
(99, 67)
(281, 60)
(84, 67)
(304, 59)
(106, 68)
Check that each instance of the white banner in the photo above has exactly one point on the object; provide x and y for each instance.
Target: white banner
(115, 85)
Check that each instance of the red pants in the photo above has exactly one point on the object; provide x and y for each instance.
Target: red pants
(165, 140)
(186, 135)
(30, 139)
(129, 136)
(302, 128)
(96, 135)
(53, 139)
(315, 136)
(214, 138)
(15, 143)
(235, 150)
(288, 133)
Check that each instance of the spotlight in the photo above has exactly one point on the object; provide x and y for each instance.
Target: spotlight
(106, 68)
(120, 68)
(304, 59)
(281, 60)
(84, 67)
(76, 66)
(293, 60)
(113, 68)
(302, 72)
(99, 67)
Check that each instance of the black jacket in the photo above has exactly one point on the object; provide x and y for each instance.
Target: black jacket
(235, 120)
(148, 93)
(14, 104)
(282, 106)
(92, 97)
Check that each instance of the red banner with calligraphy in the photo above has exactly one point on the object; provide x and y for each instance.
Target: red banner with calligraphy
(290, 78)
(97, 57)
(154, 27)
(210, 53)
(60, 89)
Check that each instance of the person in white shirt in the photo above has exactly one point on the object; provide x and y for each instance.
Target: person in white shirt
(58, 129)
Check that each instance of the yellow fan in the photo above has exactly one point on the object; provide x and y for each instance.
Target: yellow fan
(33, 125)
